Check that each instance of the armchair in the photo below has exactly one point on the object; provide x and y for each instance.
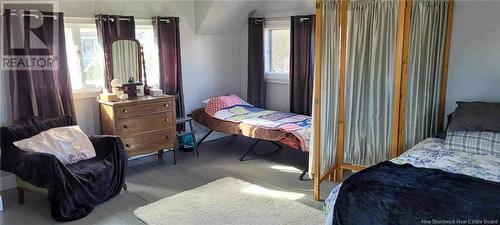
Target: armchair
(74, 189)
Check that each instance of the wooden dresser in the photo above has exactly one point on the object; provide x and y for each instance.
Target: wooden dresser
(145, 124)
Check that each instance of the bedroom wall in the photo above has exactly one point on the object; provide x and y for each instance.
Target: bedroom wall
(278, 90)
(474, 68)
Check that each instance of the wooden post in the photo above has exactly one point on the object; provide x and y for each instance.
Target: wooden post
(317, 104)
(341, 100)
(397, 78)
(404, 78)
(444, 75)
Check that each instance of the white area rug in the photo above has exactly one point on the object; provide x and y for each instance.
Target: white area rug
(230, 201)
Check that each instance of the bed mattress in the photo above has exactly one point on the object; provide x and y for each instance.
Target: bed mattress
(430, 153)
(203, 118)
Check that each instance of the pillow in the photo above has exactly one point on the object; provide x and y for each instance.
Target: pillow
(68, 144)
(218, 103)
(206, 101)
(442, 135)
(476, 142)
(476, 116)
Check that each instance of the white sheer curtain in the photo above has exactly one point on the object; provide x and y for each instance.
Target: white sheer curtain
(125, 60)
(371, 49)
(426, 55)
(330, 56)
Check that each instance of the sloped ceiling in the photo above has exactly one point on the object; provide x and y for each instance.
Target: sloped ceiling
(230, 17)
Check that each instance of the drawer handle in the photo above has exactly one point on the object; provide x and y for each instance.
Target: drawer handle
(127, 145)
(166, 119)
(166, 105)
(125, 126)
(167, 137)
(125, 111)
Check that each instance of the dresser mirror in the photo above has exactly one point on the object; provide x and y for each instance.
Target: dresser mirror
(127, 64)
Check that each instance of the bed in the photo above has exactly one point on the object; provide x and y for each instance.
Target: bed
(430, 153)
(237, 117)
(454, 179)
(214, 124)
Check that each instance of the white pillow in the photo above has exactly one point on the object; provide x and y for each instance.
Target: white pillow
(68, 144)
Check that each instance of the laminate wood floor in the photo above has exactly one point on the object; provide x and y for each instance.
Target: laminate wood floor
(150, 179)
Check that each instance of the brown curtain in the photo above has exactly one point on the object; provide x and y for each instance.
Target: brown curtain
(301, 64)
(256, 93)
(109, 28)
(35, 92)
(167, 37)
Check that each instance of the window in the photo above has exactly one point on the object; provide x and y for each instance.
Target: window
(145, 35)
(277, 49)
(85, 57)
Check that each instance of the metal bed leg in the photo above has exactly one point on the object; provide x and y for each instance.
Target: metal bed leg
(301, 177)
(250, 149)
(204, 137)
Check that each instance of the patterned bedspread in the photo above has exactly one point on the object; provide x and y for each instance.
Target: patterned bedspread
(430, 153)
(298, 125)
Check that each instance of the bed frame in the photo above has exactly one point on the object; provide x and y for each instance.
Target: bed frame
(251, 148)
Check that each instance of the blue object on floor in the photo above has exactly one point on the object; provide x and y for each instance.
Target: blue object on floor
(186, 143)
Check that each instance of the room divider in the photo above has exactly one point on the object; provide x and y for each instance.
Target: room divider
(380, 81)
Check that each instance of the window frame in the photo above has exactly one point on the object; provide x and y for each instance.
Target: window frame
(86, 91)
(270, 25)
(146, 26)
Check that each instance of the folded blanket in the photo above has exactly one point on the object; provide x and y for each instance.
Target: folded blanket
(388, 193)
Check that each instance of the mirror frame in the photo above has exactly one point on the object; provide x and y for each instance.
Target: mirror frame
(140, 57)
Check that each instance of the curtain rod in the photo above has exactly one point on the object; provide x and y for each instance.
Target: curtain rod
(31, 15)
(85, 18)
(124, 19)
(280, 19)
(273, 19)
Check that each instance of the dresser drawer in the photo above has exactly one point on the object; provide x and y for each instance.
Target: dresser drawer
(145, 109)
(141, 124)
(152, 141)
